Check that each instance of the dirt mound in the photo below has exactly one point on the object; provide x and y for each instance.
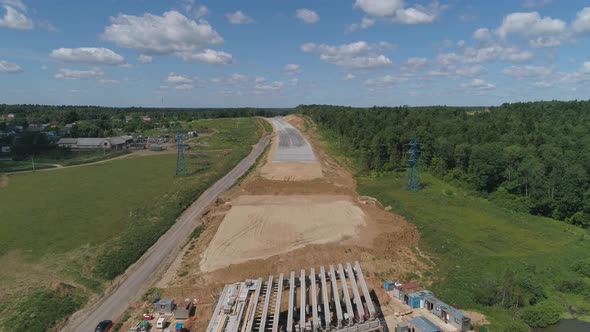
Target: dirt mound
(264, 226)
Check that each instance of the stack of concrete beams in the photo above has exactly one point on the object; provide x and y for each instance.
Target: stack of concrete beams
(335, 299)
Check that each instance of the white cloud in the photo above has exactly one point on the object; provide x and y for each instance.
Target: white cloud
(307, 16)
(276, 85)
(482, 35)
(387, 80)
(395, 11)
(526, 71)
(70, 74)
(478, 84)
(259, 79)
(201, 11)
(470, 71)
(230, 80)
(582, 22)
(178, 79)
(365, 23)
(453, 71)
(535, 3)
(461, 43)
(184, 87)
(238, 18)
(349, 77)
(16, 4)
(14, 19)
(44, 67)
(208, 56)
(416, 62)
(9, 67)
(293, 69)
(90, 55)
(144, 58)
(167, 34)
(489, 53)
(354, 55)
(541, 31)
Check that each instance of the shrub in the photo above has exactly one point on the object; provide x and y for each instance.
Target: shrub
(542, 314)
(582, 267)
(516, 326)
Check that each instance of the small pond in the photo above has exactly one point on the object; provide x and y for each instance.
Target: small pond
(567, 325)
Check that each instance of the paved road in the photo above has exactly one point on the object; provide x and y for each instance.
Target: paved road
(139, 276)
(292, 147)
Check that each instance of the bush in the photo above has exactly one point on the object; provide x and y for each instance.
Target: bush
(516, 326)
(571, 286)
(582, 267)
(542, 314)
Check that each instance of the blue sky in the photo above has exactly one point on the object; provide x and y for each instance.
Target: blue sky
(269, 53)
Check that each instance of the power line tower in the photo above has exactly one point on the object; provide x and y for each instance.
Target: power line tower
(180, 161)
(412, 181)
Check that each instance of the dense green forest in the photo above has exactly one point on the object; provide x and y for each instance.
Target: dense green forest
(531, 157)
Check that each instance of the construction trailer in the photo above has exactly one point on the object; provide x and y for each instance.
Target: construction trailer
(335, 298)
(448, 314)
(418, 299)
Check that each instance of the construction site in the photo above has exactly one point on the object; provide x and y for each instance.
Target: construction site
(330, 299)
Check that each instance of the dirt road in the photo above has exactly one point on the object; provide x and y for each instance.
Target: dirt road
(292, 147)
(139, 276)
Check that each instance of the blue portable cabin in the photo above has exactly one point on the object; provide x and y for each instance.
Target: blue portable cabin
(423, 324)
(417, 299)
(388, 285)
(448, 314)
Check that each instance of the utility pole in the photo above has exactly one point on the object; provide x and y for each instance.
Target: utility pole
(180, 161)
(412, 181)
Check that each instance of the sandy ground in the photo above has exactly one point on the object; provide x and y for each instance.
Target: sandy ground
(267, 225)
(264, 226)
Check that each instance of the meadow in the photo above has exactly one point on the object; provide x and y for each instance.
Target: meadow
(473, 242)
(66, 232)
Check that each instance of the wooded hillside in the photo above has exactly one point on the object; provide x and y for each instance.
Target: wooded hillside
(531, 156)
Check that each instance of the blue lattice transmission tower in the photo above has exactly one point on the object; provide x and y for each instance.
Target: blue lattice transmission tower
(413, 182)
(180, 161)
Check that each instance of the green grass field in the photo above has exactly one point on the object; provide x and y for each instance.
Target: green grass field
(472, 239)
(473, 242)
(66, 231)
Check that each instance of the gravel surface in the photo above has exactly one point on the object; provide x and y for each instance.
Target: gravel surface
(292, 147)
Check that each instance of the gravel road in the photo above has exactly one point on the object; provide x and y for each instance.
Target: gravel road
(139, 276)
(292, 147)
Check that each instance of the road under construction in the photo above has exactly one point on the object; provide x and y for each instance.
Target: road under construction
(335, 298)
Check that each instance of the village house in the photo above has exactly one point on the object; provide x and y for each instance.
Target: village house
(81, 144)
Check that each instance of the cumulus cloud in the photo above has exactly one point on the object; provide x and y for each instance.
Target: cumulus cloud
(452, 71)
(184, 87)
(167, 34)
(472, 55)
(360, 54)
(387, 80)
(526, 71)
(395, 11)
(178, 79)
(541, 31)
(259, 79)
(208, 56)
(105, 81)
(482, 35)
(292, 69)
(307, 16)
(582, 22)
(15, 19)
(16, 4)
(238, 18)
(90, 55)
(349, 77)
(71, 74)
(478, 84)
(144, 58)
(232, 79)
(9, 67)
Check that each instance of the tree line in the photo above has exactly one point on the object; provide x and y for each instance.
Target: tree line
(532, 156)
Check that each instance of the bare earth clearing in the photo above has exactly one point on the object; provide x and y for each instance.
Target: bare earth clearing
(289, 221)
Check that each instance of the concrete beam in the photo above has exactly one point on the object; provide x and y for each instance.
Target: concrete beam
(275, 319)
(345, 293)
(336, 296)
(266, 302)
(327, 316)
(252, 306)
(291, 302)
(355, 291)
(359, 274)
(303, 288)
(215, 316)
(314, 302)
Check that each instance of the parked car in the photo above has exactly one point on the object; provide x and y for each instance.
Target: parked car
(148, 316)
(104, 326)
